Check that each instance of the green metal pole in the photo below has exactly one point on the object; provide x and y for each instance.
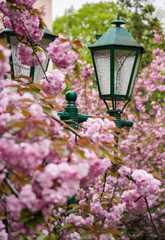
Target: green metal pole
(120, 122)
(72, 110)
(72, 118)
(117, 115)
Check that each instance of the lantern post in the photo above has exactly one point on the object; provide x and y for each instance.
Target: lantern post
(116, 58)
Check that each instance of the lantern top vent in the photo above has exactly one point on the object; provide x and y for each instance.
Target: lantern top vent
(118, 22)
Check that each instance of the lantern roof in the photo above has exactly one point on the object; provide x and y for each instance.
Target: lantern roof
(47, 33)
(116, 36)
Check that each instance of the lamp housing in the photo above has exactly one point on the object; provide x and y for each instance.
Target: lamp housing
(116, 57)
(17, 68)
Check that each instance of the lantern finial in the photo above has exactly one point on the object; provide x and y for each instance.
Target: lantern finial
(118, 22)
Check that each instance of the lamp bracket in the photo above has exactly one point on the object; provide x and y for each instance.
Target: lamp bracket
(120, 122)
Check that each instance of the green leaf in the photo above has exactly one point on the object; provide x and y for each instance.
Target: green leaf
(31, 134)
(26, 113)
(2, 216)
(15, 130)
(14, 9)
(47, 110)
(82, 230)
(71, 230)
(112, 231)
(38, 219)
(68, 225)
(39, 131)
(25, 216)
(17, 123)
(2, 56)
(21, 237)
(29, 238)
(35, 86)
(54, 237)
(41, 237)
(31, 220)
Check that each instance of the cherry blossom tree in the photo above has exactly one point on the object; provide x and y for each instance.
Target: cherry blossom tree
(44, 161)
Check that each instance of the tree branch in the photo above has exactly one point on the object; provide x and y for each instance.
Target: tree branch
(154, 225)
(12, 188)
(58, 221)
(37, 43)
(6, 221)
(113, 195)
(67, 127)
(35, 52)
(105, 177)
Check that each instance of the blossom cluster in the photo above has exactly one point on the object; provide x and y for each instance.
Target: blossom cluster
(22, 21)
(96, 130)
(87, 71)
(54, 83)
(30, 57)
(42, 164)
(146, 184)
(143, 185)
(157, 37)
(22, 157)
(61, 53)
(93, 166)
(24, 153)
(3, 233)
(27, 3)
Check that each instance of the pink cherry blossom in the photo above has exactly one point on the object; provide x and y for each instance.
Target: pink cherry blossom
(22, 22)
(28, 3)
(61, 53)
(54, 84)
(145, 182)
(99, 130)
(157, 37)
(36, 110)
(124, 171)
(15, 206)
(27, 56)
(3, 233)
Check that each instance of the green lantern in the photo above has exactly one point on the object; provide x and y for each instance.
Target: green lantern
(16, 67)
(116, 57)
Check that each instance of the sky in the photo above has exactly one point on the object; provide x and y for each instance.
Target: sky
(59, 6)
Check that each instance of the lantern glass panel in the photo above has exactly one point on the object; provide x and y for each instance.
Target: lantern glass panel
(38, 74)
(135, 74)
(19, 69)
(102, 64)
(124, 60)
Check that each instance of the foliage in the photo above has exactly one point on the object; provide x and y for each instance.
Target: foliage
(85, 23)
(141, 18)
